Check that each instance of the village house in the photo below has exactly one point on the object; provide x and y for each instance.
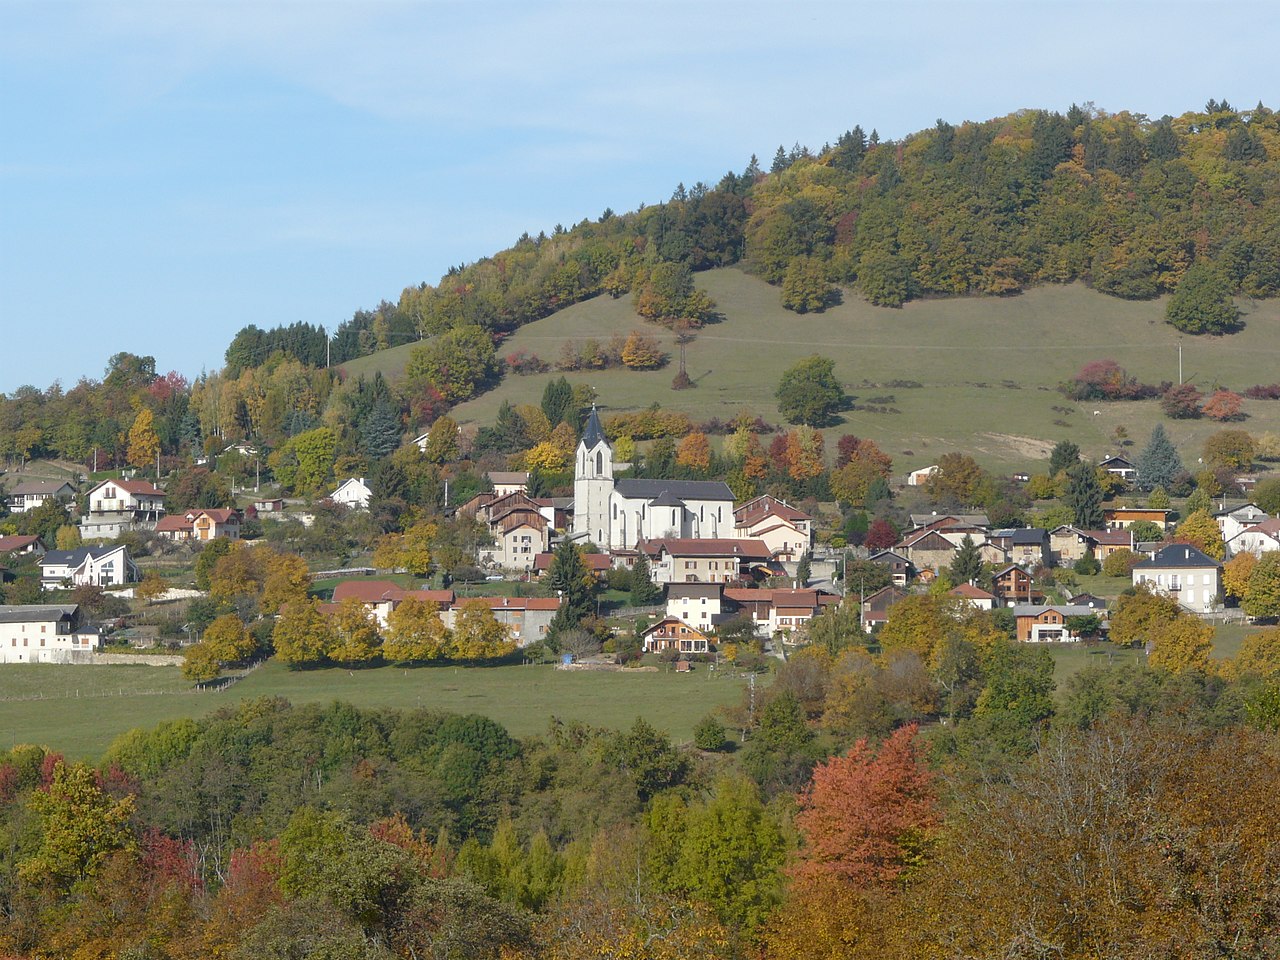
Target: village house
(1029, 547)
(772, 611)
(1117, 518)
(119, 505)
(97, 566)
(788, 532)
(201, 525)
(380, 597)
(45, 633)
(672, 633)
(876, 606)
(526, 618)
(519, 529)
(974, 596)
(702, 605)
(32, 493)
(1037, 623)
(352, 493)
(598, 563)
(1120, 466)
(271, 505)
(1067, 544)
(508, 481)
(1259, 539)
(691, 560)
(21, 545)
(1184, 573)
(918, 478)
(936, 521)
(929, 550)
(1235, 520)
(899, 566)
(1013, 585)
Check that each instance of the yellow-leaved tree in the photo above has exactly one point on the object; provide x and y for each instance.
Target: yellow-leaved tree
(477, 634)
(286, 580)
(1259, 656)
(409, 551)
(143, 442)
(415, 633)
(1182, 645)
(1202, 532)
(1236, 573)
(302, 634)
(355, 634)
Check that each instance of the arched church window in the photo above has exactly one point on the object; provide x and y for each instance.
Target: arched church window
(599, 462)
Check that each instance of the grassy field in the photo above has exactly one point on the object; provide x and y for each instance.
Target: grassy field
(988, 367)
(80, 710)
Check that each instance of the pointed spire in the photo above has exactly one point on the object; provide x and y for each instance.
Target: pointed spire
(594, 433)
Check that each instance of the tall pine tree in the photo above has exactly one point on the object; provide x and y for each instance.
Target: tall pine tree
(1158, 463)
(967, 565)
(1084, 496)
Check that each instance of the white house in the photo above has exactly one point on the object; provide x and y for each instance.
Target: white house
(618, 514)
(787, 531)
(99, 566)
(353, 493)
(119, 505)
(1121, 467)
(1235, 520)
(1184, 573)
(700, 605)
(44, 633)
(1259, 539)
(31, 494)
(508, 481)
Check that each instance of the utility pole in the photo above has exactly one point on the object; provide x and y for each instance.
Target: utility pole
(1179, 361)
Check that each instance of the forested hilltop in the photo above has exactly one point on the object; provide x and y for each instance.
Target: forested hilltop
(1121, 201)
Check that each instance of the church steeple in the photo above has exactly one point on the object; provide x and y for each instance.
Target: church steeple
(594, 433)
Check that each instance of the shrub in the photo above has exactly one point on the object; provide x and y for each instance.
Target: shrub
(1086, 566)
(1223, 406)
(709, 734)
(1183, 402)
(1106, 380)
(1121, 563)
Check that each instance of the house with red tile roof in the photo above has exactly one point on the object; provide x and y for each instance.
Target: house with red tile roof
(974, 596)
(787, 531)
(200, 525)
(21, 545)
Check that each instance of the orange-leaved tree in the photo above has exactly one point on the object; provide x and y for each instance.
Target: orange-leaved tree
(866, 816)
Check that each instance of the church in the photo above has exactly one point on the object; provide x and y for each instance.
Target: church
(617, 514)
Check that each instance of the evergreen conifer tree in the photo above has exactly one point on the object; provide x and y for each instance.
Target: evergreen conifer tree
(643, 590)
(1084, 496)
(967, 565)
(804, 569)
(1158, 464)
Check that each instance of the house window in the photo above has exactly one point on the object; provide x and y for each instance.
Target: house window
(690, 565)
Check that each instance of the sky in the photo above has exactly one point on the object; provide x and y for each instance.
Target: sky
(173, 171)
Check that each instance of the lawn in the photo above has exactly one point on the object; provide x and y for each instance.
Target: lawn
(84, 708)
(987, 368)
(1070, 658)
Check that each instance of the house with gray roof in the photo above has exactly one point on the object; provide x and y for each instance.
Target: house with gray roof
(1184, 573)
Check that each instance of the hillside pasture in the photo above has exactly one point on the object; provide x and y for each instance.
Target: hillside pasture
(79, 710)
(987, 368)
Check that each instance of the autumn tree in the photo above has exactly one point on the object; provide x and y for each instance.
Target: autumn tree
(477, 634)
(441, 445)
(286, 580)
(302, 634)
(355, 634)
(866, 816)
(144, 445)
(1234, 449)
(1262, 595)
(1224, 405)
(1236, 573)
(410, 551)
(694, 452)
(152, 587)
(1258, 656)
(1202, 302)
(958, 478)
(82, 826)
(415, 633)
(1201, 531)
(1140, 617)
(642, 352)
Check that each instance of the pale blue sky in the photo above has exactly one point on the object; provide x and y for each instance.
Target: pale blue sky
(171, 171)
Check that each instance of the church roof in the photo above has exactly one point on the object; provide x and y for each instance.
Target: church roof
(666, 499)
(683, 489)
(594, 433)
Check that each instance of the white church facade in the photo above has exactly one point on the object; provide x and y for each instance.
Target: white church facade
(617, 514)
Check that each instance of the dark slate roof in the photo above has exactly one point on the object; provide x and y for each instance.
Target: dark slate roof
(73, 558)
(695, 590)
(684, 489)
(593, 433)
(36, 612)
(666, 499)
(1030, 535)
(1178, 555)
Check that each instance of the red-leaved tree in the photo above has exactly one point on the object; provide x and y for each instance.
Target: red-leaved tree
(880, 535)
(865, 814)
(1223, 406)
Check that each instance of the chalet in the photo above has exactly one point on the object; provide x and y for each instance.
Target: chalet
(899, 566)
(1037, 623)
(974, 596)
(1088, 600)
(44, 633)
(936, 521)
(1238, 519)
(21, 545)
(32, 493)
(119, 505)
(352, 493)
(99, 566)
(1117, 518)
(788, 532)
(508, 481)
(200, 526)
(1184, 573)
(1258, 539)
(702, 605)
(927, 551)
(712, 560)
(1013, 585)
(876, 607)
(918, 478)
(1107, 542)
(672, 633)
(1120, 466)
